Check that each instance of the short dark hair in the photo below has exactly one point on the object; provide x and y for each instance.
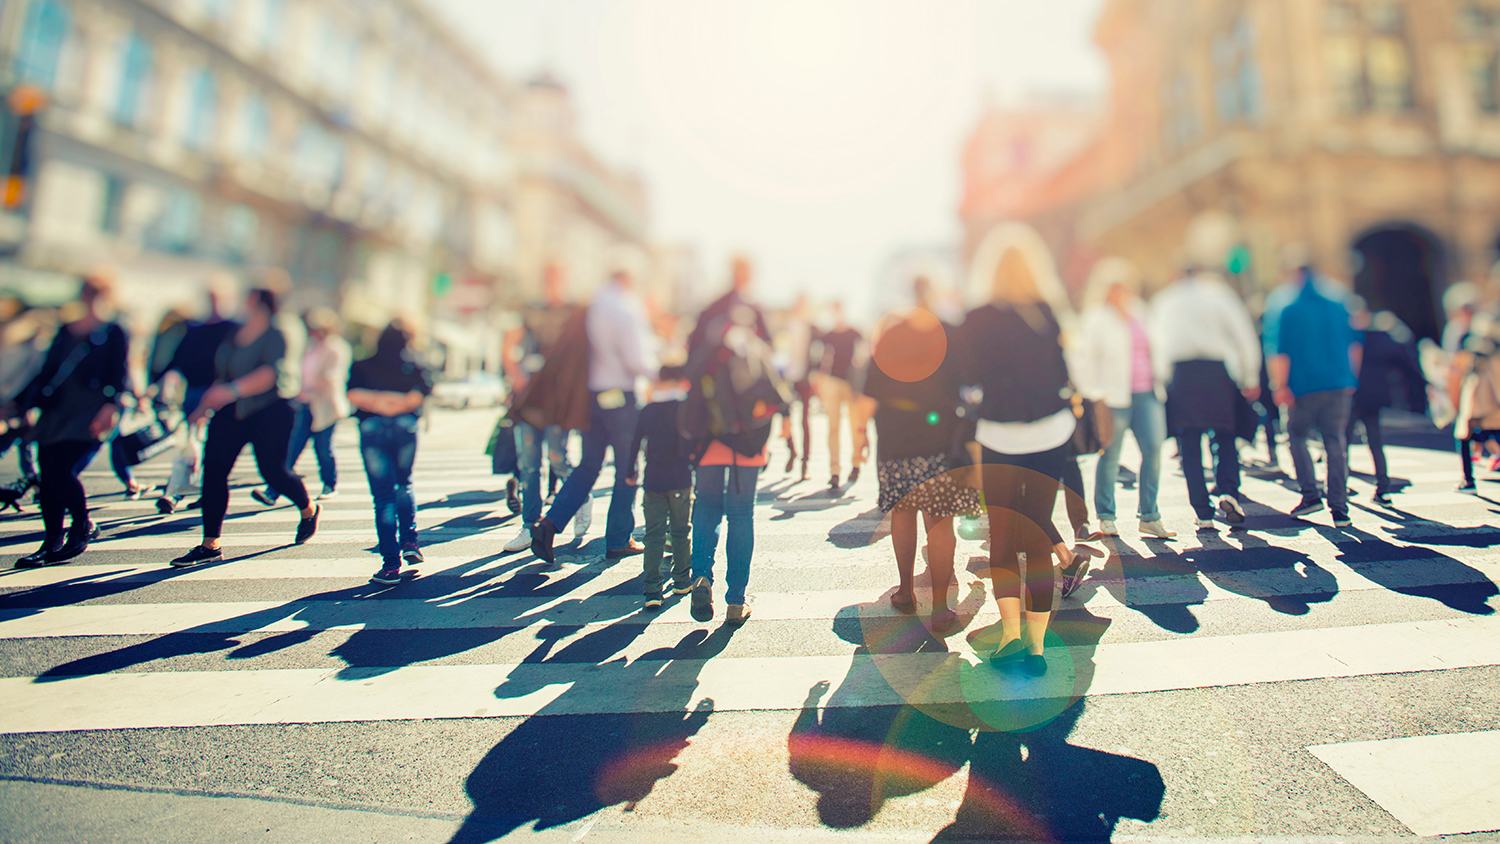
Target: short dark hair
(672, 373)
(265, 298)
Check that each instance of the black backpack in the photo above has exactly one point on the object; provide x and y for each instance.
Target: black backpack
(734, 390)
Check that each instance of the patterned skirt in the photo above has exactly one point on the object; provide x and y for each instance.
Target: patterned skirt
(924, 483)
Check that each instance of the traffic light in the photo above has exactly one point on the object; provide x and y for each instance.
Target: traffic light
(1237, 262)
(25, 101)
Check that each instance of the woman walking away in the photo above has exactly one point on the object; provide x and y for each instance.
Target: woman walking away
(387, 389)
(322, 402)
(915, 384)
(1389, 376)
(77, 392)
(1013, 352)
(249, 405)
(1113, 364)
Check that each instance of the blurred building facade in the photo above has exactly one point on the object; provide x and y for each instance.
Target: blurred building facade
(1366, 131)
(359, 144)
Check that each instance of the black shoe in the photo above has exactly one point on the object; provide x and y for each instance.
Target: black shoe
(542, 535)
(1008, 652)
(308, 526)
(630, 550)
(1035, 665)
(389, 573)
(703, 600)
(1341, 519)
(1383, 499)
(1073, 576)
(74, 547)
(40, 555)
(264, 496)
(833, 483)
(512, 495)
(1310, 504)
(199, 554)
(410, 553)
(166, 506)
(853, 476)
(195, 504)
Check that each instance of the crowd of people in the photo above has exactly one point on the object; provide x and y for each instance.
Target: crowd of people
(983, 419)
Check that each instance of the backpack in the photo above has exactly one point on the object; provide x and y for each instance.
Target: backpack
(734, 391)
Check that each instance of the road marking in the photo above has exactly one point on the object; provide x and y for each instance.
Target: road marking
(1436, 785)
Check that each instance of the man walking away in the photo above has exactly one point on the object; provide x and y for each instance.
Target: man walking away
(840, 348)
(1313, 374)
(668, 502)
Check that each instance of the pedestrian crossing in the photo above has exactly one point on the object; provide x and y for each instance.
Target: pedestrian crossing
(281, 634)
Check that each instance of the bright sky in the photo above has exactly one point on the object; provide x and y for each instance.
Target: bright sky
(820, 136)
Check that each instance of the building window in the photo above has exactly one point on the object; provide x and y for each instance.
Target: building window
(176, 229)
(203, 106)
(255, 127)
(43, 37)
(1367, 57)
(1479, 26)
(318, 157)
(1237, 88)
(111, 221)
(136, 67)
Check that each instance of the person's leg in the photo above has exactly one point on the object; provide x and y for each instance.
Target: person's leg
(833, 405)
(1148, 423)
(380, 471)
(940, 545)
(556, 441)
(1190, 454)
(404, 455)
(580, 483)
(74, 498)
(529, 471)
(55, 465)
(904, 543)
(1375, 438)
(1333, 420)
(1038, 497)
(1107, 471)
(300, 433)
(657, 512)
(1227, 463)
(708, 512)
(328, 469)
(619, 524)
(1298, 426)
(269, 433)
(1077, 507)
(739, 542)
(680, 513)
(226, 439)
(805, 391)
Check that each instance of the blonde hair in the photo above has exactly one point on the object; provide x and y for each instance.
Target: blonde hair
(1014, 268)
(1105, 275)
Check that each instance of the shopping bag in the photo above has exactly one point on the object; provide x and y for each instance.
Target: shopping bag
(502, 448)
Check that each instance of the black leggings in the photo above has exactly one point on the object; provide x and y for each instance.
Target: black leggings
(269, 432)
(1020, 491)
(1375, 438)
(61, 492)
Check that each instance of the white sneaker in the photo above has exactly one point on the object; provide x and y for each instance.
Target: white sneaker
(520, 543)
(1107, 527)
(1157, 529)
(327, 493)
(1205, 524)
(583, 518)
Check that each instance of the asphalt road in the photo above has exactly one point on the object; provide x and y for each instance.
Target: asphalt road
(1287, 680)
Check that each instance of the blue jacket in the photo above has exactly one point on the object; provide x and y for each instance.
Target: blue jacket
(1314, 332)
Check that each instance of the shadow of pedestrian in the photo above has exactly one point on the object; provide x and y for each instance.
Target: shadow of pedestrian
(860, 531)
(1165, 588)
(1288, 581)
(569, 760)
(1419, 572)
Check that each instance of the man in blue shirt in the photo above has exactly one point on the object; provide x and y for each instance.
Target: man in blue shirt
(1313, 374)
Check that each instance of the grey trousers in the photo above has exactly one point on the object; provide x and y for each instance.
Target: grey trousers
(668, 511)
(1328, 411)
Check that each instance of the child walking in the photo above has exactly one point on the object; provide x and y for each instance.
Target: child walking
(668, 486)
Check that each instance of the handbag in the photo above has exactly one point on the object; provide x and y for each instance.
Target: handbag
(502, 448)
(1096, 425)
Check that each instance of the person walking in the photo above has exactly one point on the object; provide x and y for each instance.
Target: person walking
(1012, 349)
(1205, 346)
(25, 335)
(322, 402)
(668, 489)
(842, 348)
(77, 393)
(616, 332)
(1113, 363)
(527, 349)
(191, 358)
(914, 384)
(250, 404)
(387, 390)
(1389, 376)
(799, 336)
(1313, 375)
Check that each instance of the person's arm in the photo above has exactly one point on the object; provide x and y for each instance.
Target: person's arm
(1247, 347)
(635, 444)
(386, 402)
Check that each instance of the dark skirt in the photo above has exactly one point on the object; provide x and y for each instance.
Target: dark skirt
(1202, 396)
(925, 484)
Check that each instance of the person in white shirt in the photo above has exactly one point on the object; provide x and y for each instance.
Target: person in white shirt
(798, 336)
(1206, 349)
(1112, 362)
(618, 355)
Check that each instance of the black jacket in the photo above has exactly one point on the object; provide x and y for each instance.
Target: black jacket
(1017, 360)
(1389, 376)
(668, 454)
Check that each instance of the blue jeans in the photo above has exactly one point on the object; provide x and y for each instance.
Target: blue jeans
(388, 445)
(322, 442)
(1147, 419)
(609, 428)
(725, 493)
(529, 442)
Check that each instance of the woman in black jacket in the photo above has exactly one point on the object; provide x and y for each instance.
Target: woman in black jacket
(77, 392)
(1013, 352)
(1389, 376)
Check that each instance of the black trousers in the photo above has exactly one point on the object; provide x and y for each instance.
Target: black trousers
(269, 432)
(61, 492)
(1020, 491)
(1072, 481)
(1226, 467)
(1375, 438)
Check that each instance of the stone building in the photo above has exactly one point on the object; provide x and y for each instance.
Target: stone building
(1367, 131)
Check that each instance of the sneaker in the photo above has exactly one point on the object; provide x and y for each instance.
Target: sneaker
(513, 495)
(703, 600)
(1107, 527)
(682, 589)
(389, 573)
(1230, 507)
(198, 555)
(166, 506)
(1072, 577)
(543, 533)
(583, 518)
(1082, 533)
(1383, 499)
(736, 614)
(653, 604)
(265, 496)
(1341, 519)
(520, 543)
(1156, 528)
(631, 549)
(1467, 488)
(1310, 504)
(411, 554)
(1205, 525)
(328, 493)
(308, 526)
(139, 492)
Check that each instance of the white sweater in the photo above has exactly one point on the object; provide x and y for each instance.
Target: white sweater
(1103, 357)
(1201, 318)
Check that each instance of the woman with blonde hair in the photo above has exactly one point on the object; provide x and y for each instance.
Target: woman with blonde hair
(1013, 351)
(1113, 363)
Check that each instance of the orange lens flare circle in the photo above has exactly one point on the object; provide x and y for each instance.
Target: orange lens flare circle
(910, 344)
